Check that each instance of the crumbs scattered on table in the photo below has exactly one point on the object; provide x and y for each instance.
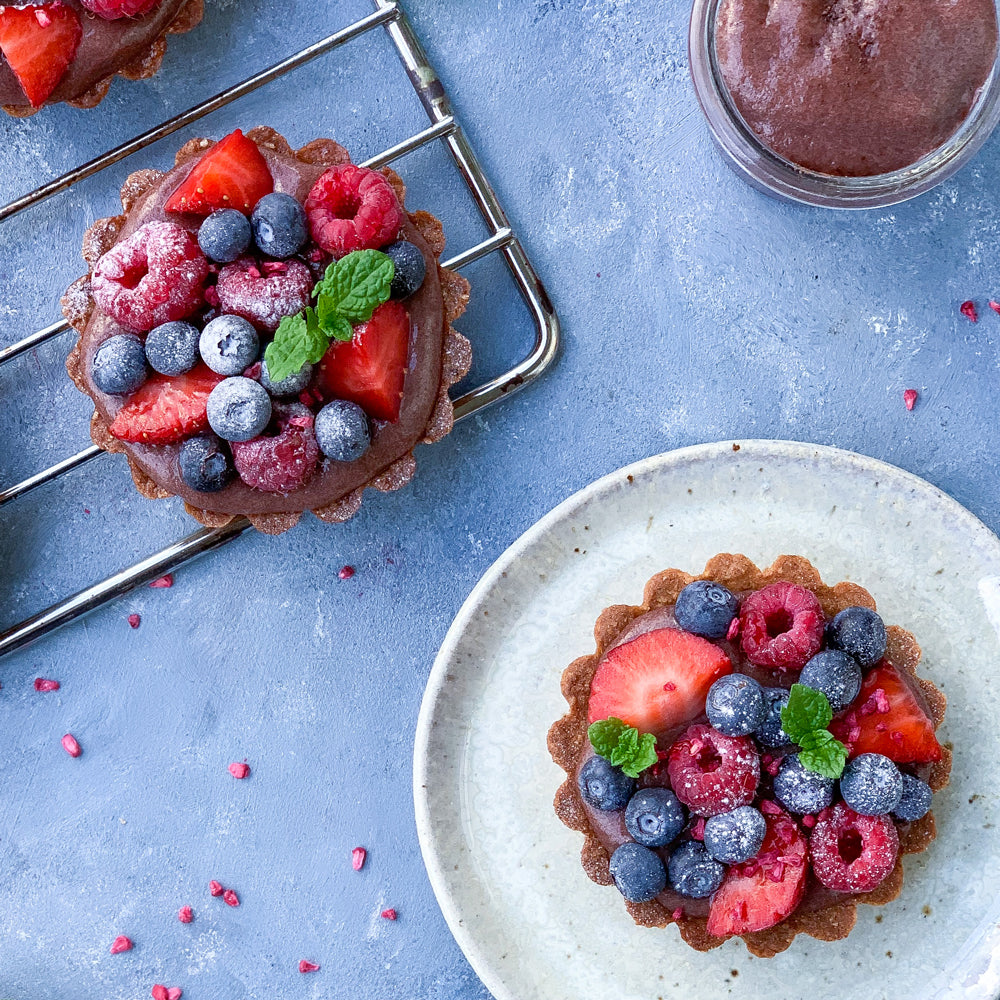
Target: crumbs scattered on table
(358, 855)
(215, 888)
(71, 746)
(968, 310)
(389, 914)
(230, 897)
(134, 620)
(185, 914)
(44, 685)
(163, 582)
(995, 306)
(239, 770)
(120, 944)
(346, 573)
(305, 966)
(910, 398)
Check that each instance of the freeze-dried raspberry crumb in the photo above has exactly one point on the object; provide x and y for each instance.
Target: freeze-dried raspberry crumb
(669, 686)
(120, 944)
(70, 745)
(163, 582)
(158, 992)
(41, 684)
(230, 897)
(185, 914)
(239, 770)
(174, 993)
(346, 572)
(358, 856)
(698, 830)
(134, 620)
(284, 289)
(968, 310)
(305, 966)
(734, 629)
(678, 913)
(808, 821)
(770, 808)
(995, 306)
(215, 888)
(910, 398)
(389, 914)
(42, 18)
(282, 463)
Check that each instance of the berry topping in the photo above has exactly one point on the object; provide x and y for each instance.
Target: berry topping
(205, 466)
(284, 462)
(229, 344)
(172, 348)
(155, 276)
(735, 836)
(712, 773)
(342, 431)
(291, 386)
(707, 609)
(410, 268)
(859, 632)
(279, 225)
(121, 944)
(352, 208)
(654, 817)
(770, 733)
(834, 673)
(225, 235)
(638, 872)
(265, 293)
(119, 365)
(800, 790)
(915, 800)
(238, 409)
(781, 626)
(111, 10)
(852, 853)
(871, 784)
(604, 786)
(693, 872)
(761, 892)
(166, 410)
(39, 43)
(232, 174)
(736, 705)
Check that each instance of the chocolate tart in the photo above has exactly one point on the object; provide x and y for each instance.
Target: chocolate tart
(439, 356)
(822, 913)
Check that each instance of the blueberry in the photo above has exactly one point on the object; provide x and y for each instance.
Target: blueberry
(411, 268)
(770, 733)
(693, 871)
(120, 365)
(292, 385)
(279, 225)
(638, 872)
(342, 431)
(871, 784)
(654, 816)
(800, 790)
(238, 409)
(205, 465)
(834, 673)
(706, 609)
(735, 836)
(229, 344)
(860, 632)
(916, 800)
(172, 348)
(225, 235)
(605, 786)
(736, 705)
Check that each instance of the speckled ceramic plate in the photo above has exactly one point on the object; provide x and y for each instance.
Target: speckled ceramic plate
(506, 872)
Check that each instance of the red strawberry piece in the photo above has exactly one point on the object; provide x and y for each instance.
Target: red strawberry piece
(657, 681)
(155, 276)
(282, 463)
(232, 174)
(264, 296)
(369, 369)
(711, 773)
(352, 208)
(39, 43)
(761, 892)
(111, 10)
(886, 718)
(167, 409)
(120, 944)
(781, 626)
(850, 852)
(305, 966)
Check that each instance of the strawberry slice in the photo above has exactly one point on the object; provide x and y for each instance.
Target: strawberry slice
(761, 892)
(369, 369)
(886, 718)
(232, 174)
(165, 410)
(39, 43)
(657, 681)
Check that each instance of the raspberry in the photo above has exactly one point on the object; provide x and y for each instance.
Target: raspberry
(263, 294)
(711, 773)
(155, 276)
(781, 626)
(352, 208)
(850, 852)
(283, 463)
(111, 10)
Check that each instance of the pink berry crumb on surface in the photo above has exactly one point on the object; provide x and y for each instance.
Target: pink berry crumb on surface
(215, 888)
(358, 856)
(239, 770)
(120, 944)
(306, 966)
(968, 310)
(71, 746)
(185, 914)
(134, 620)
(230, 897)
(162, 582)
(995, 306)
(44, 685)
(346, 573)
(910, 398)
(389, 914)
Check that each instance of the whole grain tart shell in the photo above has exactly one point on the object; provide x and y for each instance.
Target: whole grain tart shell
(80, 310)
(567, 739)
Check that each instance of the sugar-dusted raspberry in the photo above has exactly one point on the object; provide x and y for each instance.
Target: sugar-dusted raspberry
(781, 626)
(711, 773)
(282, 463)
(850, 852)
(155, 276)
(353, 208)
(111, 10)
(264, 293)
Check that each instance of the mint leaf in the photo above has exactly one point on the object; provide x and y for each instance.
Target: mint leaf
(297, 342)
(623, 746)
(807, 710)
(331, 322)
(355, 285)
(823, 753)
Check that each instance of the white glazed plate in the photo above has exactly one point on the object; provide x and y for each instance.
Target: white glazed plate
(506, 872)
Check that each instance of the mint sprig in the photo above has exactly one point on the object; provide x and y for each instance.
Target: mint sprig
(623, 745)
(805, 719)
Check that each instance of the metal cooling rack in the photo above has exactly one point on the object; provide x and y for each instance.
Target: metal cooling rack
(390, 16)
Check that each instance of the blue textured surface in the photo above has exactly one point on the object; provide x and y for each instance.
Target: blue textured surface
(693, 308)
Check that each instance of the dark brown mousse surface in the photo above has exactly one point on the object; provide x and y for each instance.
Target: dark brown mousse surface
(855, 87)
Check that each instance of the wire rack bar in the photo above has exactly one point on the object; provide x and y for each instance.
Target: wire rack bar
(34, 340)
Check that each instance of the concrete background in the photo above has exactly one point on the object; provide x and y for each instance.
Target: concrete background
(693, 309)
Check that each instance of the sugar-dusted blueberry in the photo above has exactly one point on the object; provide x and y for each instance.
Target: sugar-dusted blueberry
(836, 674)
(229, 344)
(706, 609)
(735, 836)
(693, 872)
(279, 225)
(736, 705)
(119, 365)
(172, 348)
(225, 235)
(770, 733)
(238, 409)
(915, 800)
(860, 632)
(654, 817)
(638, 872)
(871, 784)
(605, 786)
(800, 790)
(205, 465)
(411, 268)
(292, 385)
(342, 431)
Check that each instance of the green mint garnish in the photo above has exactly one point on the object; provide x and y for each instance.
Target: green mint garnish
(804, 719)
(823, 753)
(298, 341)
(623, 746)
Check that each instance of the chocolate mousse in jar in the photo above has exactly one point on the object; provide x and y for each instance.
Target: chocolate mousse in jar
(846, 103)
